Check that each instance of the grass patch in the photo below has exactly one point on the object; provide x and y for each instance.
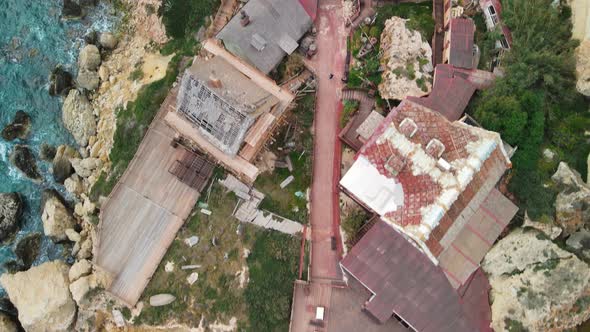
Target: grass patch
(350, 107)
(273, 269)
(183, 17)
(352, 223)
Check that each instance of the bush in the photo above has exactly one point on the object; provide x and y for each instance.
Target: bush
(182, 17)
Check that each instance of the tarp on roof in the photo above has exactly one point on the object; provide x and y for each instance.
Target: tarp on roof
(405, 282)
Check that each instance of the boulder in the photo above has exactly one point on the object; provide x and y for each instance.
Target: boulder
(11, 209)
(47, 152)
(88, 80)
(7, 324)
(107, 40)
(85, 167)
(71, 10)
(20, 127)
(56, 216)
(23, 158)
(78, 117)
(87, 3)
(89, 58)
(535, 284)
(74, 185)
(161, 300)
(91, 38)
(27, 249)
(73, 235)
(572, 205)
(85, 251)
(80, 288)
(79, 269)
(62, 167)
(406, 59)
(42, 297)
(60, 82)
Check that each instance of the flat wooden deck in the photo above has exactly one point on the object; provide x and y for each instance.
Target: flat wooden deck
(143, 214)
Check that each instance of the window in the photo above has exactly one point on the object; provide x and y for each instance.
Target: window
(504, 42)
(493, 15)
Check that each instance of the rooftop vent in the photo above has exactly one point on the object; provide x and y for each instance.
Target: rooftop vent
(395, 164)
(435, 148)
(258, 42)
(244, 18)
(408, 127)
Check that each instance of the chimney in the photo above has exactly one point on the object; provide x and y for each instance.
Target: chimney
(244, 18)
(214, 82)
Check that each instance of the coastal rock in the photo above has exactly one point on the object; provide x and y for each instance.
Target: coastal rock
(103, 73)
(74, 185)
(56, 216)
(42, 297)
(85, 167)
(536, 284)
(572, 205)
(47, 152)
(407, 61)
(73, 235)
(87, 3)
(62, 167)
(91, 38)
(60, 82)
(89, 58)
(80, 288)
(11, 208)
(107, 40)
(88, 80)
(23, 158)
(85, 251)
(79, 269)
(7, 324)
(20, 127)
(71, 10)
(580, 242)
(27, 249)
(78, 117)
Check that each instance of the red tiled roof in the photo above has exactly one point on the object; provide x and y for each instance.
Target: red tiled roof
(462, 31)
(450, 94)
(311, 7)
(405, 282)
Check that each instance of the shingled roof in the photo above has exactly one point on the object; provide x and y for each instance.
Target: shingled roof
(273, 31)
(461, 31)
(403, 281)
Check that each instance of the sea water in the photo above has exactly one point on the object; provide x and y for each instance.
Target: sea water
(33, 40)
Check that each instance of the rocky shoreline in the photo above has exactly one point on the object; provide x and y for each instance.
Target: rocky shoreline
(55, 295)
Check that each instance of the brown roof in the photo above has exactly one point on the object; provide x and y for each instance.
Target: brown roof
(450, 94)
(405, 282)
(462, 31)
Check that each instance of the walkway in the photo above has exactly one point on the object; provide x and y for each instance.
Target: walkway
(438, 38)
(325, 268)
(366, 105)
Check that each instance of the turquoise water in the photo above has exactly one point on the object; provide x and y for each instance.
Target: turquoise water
(33, 40)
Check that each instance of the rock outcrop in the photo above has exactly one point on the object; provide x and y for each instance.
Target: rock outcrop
(89, 58)
(107, 40)
(11, 209)
(27, 249)
(572, 205)
(84, 167)
(535, 284)
(56, 217)
(47, 152)
(42, 297)
(580, 10)
(60, 82)
(71, 10)
(88, 80)
(7, 324)
(406, 59)
(23, 158)
(62, 167)
(548, 227)
(20, 127)
(78, 117)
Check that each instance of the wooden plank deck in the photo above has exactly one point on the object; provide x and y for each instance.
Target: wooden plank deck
(143, 213)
